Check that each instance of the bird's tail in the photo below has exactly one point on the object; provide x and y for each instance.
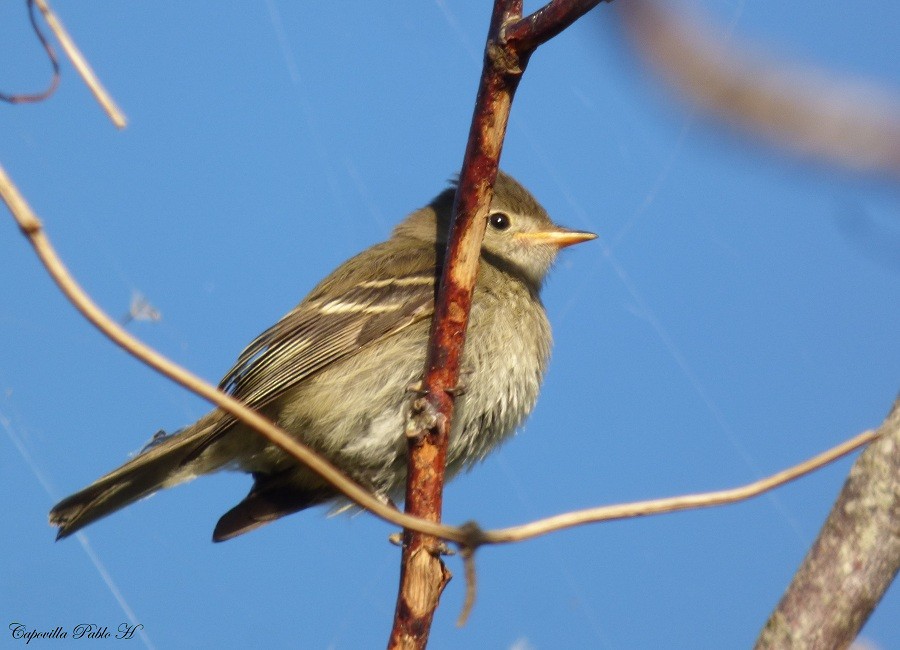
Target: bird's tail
(164, 462)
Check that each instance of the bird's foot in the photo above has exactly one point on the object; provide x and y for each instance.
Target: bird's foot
(441, 548)
(423, 417)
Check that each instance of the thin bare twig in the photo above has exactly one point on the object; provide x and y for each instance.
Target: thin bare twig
(468, 558)
(81, 65)
(29, 98)
(676, 504)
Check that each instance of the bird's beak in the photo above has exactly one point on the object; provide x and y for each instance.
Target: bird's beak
(559, 237)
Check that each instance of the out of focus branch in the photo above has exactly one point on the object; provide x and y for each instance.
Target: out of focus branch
(805, 110)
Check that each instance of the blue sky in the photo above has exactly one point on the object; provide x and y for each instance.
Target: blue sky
(739, 314)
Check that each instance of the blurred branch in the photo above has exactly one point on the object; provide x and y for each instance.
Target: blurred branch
(54, 64)
(853, 561)
(845, 122)
(81, 65)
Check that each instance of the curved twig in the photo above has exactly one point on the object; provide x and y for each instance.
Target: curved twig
(675, 504)
(30, 98)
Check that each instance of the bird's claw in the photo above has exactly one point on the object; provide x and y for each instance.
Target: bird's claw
(418, 388)
(423, 417)
(441, 548)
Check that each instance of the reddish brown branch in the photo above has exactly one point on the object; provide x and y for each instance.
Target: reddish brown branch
(853, 561)
(423, 575)
(547, 22)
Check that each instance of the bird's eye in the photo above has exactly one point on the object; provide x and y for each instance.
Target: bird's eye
(499, 221)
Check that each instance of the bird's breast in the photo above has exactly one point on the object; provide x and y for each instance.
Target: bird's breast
(507, 349)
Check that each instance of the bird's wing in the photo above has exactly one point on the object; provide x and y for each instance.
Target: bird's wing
(320, 331)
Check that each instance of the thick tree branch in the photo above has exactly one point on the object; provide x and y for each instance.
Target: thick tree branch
(853, 561)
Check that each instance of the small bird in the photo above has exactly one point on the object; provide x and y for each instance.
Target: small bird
(336, 372)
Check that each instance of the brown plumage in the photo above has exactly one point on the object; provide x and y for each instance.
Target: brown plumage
(335, 372)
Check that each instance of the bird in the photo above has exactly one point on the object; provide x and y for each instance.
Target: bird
(337, 370)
